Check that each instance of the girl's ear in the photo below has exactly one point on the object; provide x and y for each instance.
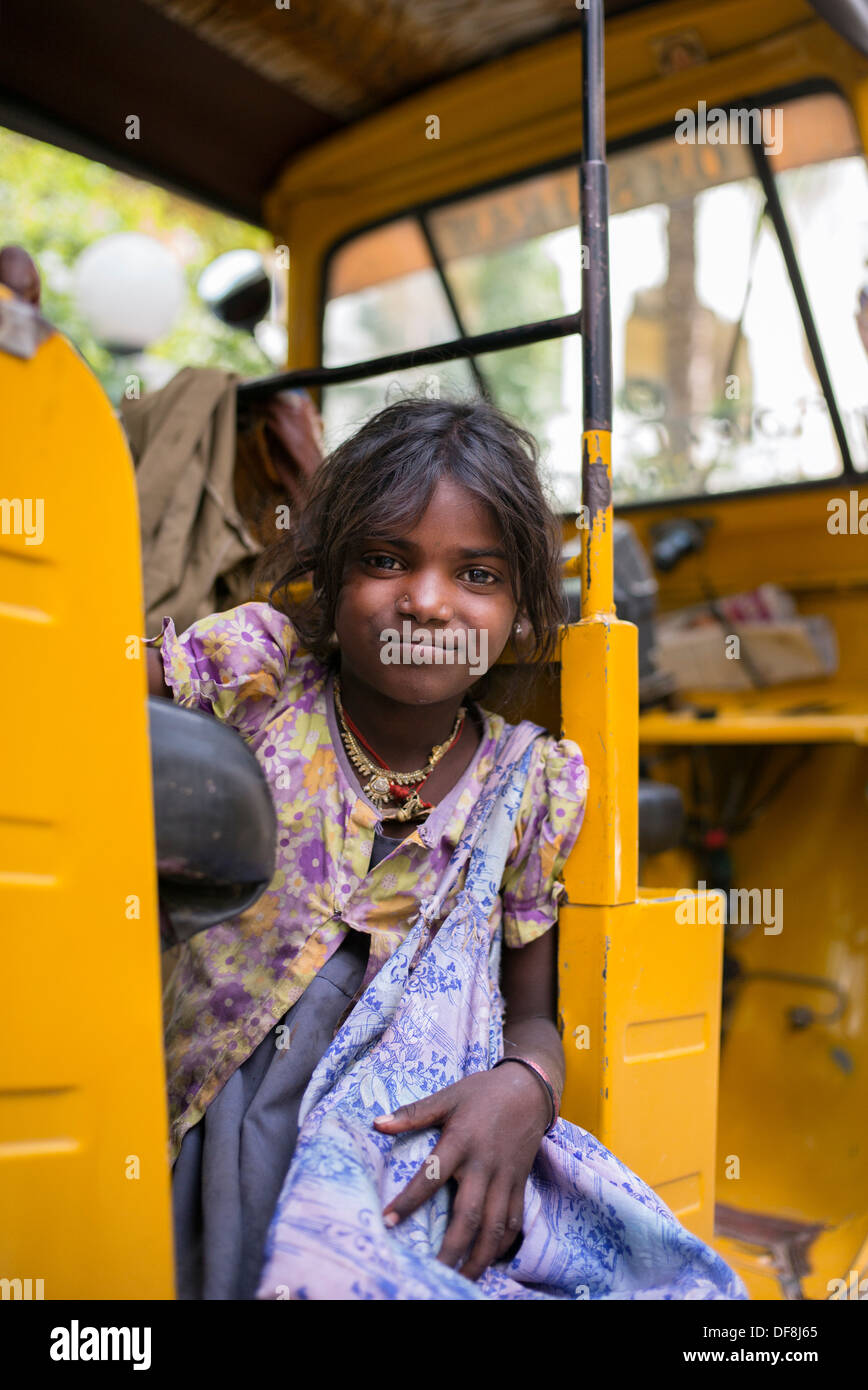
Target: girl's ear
(521, 636)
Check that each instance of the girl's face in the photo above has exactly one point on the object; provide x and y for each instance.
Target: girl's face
(442, 586)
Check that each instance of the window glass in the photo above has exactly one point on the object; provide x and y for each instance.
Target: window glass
(714, 385)
(825, 200)
(384, 296)
(510, 254)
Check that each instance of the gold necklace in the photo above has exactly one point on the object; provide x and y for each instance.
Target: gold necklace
(383, 780)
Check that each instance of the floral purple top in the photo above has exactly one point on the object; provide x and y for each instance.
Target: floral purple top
(232, 983)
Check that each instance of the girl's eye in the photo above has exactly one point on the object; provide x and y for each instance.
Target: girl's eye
(376, 559)
(381, 560)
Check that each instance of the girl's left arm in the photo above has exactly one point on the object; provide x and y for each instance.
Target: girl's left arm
(492, 1123)
(529, 980)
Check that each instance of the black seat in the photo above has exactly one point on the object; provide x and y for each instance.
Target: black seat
(661, 816)
(216, 826)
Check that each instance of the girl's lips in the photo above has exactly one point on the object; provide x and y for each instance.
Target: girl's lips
(457, 648)
(430, 649)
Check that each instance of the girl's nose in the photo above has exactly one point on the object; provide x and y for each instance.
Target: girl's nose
(424, 600)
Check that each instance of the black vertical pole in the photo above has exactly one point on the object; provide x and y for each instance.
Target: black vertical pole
(597, 548)
(596, 308)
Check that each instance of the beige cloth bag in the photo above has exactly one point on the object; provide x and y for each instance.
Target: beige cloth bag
(197, 553)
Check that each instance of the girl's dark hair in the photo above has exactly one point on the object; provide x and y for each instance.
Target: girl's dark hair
(382, 479)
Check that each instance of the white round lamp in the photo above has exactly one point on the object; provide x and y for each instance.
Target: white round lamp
(129, 288)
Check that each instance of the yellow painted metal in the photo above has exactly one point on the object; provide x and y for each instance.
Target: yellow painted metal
(599, 709)
(84, 1178)
(793, 1102)
(779, 537)
(640, 1004)
(804, 712)
(639, 992)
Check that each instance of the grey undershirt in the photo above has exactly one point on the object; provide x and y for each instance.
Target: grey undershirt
(229, 1172)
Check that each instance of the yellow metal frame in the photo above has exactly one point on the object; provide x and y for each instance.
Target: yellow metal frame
(84, 1182)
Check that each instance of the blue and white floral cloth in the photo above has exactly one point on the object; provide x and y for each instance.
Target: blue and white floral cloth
(432, 1015)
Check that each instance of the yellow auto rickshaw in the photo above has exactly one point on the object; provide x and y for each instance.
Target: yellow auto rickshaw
(459, 214)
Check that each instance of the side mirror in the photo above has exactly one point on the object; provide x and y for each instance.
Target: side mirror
(216, 826)
(236, 288)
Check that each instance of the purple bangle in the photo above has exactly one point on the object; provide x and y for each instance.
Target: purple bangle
(537, 1071)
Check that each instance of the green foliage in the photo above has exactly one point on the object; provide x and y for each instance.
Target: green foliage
(55, 204)
(501, 290)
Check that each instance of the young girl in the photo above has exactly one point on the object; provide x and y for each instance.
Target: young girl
(396, 793)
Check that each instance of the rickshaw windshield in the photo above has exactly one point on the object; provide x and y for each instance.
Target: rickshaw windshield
(717, 387)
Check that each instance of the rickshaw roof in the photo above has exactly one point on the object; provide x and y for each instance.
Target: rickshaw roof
(227, 93)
